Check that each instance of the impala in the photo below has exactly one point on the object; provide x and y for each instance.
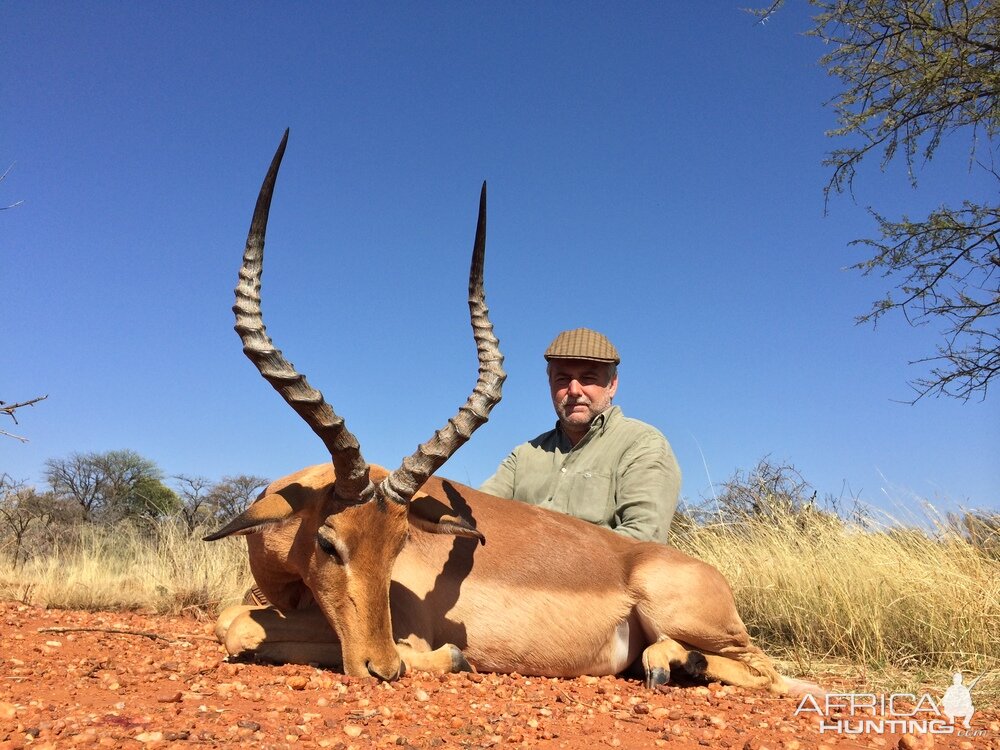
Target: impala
(377, 571)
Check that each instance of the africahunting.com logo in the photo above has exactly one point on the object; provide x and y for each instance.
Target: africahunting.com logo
(908, 713)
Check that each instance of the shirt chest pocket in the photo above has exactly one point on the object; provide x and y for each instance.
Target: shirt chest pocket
(590, 497)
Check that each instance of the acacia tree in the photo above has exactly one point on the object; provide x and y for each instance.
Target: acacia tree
(915, 72)
(233, 494)
(195, 504)
(21, 508)
(108, 486)
(204, 501)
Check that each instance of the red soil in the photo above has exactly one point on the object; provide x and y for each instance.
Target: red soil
(86, 688)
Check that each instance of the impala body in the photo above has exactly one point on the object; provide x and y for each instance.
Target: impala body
(376, 570)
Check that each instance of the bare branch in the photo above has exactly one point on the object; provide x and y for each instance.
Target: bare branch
(9, 410)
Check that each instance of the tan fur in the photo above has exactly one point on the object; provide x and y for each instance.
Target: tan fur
(548, 594)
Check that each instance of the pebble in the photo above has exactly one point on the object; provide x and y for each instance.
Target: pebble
(353, 730)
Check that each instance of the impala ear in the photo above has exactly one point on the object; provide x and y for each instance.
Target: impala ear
(434, 517)
(266, 510)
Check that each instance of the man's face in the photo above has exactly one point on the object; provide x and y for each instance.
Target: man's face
(580, 391)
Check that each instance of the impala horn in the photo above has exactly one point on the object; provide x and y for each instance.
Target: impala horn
(353, 483)
(402, 483)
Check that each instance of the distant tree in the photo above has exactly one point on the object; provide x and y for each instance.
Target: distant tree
(112, 485)
(196, 505)
(912, 73)
(205, 502)
(234, 494)
(21, 507)
(148, 499)
(79, 479)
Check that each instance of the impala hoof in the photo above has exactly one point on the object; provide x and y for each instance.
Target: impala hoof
(458, 661)
(657, 676)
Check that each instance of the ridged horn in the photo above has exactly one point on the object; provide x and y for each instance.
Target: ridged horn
(402, 483)
(353, 483)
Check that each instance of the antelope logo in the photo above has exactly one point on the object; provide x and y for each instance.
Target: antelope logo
(378, 571)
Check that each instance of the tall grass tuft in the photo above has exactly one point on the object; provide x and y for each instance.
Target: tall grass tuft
(816, 586)
(162, 567)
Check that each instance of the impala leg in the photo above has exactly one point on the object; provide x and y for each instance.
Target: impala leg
(301, 636)
(444, 660)
(745, 667)
(666, 652)
(226, 619)
(692, 611)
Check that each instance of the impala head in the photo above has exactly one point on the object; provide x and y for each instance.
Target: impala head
(364, 522)
(356, 548)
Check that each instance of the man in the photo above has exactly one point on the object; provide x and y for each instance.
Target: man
(597, 464)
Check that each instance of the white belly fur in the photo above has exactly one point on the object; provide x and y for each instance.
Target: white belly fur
(622, 649)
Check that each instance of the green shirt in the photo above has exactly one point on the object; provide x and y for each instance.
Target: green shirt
(621, 475)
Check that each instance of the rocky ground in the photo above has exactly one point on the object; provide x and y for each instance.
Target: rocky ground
(76, 679)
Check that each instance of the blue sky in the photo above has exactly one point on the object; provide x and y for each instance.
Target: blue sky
(654, 173)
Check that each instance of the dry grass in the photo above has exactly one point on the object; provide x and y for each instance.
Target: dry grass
(163, 569)
(908, 605)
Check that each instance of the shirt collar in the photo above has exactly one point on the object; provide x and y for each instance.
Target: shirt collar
(597, 426)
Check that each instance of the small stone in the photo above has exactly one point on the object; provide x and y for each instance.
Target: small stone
(149, 737)
(421, 695)
(353, 730)
(297, 682)
(170, 697)
(7, 711)
(253, 726)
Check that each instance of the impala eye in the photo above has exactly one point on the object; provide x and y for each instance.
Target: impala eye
(328, 547)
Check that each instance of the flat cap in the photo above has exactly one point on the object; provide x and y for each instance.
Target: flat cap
(582, 343)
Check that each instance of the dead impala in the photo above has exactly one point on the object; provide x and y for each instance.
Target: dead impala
(397, 562)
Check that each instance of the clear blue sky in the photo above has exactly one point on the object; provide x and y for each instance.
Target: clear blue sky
(654, 173)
